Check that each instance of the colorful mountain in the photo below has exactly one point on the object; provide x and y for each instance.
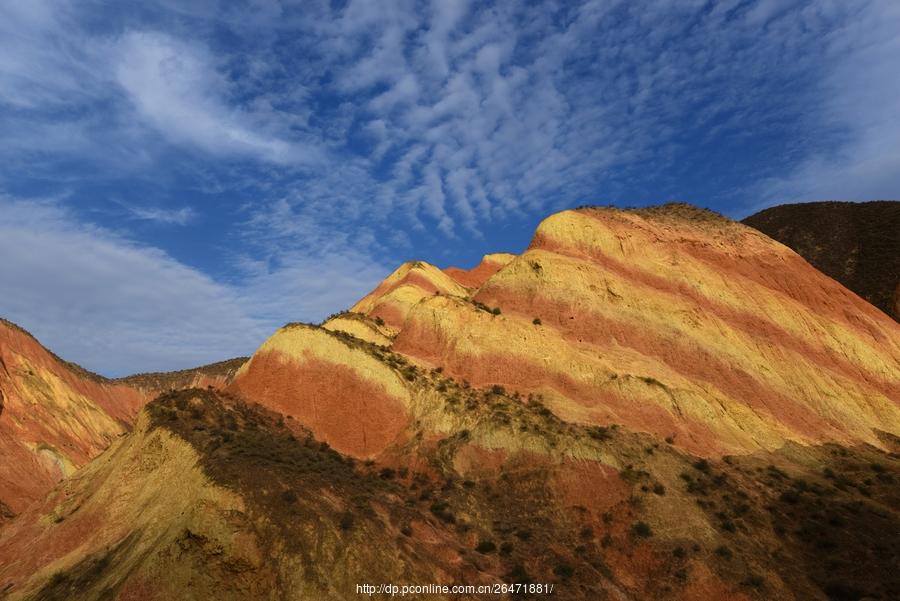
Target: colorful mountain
(648, 404)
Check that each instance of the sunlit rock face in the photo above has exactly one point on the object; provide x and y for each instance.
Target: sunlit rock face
(674, 321)
(345, 396)
(475, 277)
(56, 416)
(400, 291)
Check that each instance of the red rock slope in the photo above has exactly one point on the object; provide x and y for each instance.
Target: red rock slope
(410, 283)
(347, 397)
(214, 498)
(55, 416)
(475, 277)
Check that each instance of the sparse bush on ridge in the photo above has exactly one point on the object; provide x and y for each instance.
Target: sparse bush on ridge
(599, 432)
(701, 465)
(641, 530)
(483, 307)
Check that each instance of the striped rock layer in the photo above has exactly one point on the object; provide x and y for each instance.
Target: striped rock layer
(673, 321)
(54, 417)
(400, 291)
(475, 277)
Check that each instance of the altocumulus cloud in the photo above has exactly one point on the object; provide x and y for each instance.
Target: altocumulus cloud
(861, 160)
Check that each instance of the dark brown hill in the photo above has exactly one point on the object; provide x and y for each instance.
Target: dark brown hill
(858, 244)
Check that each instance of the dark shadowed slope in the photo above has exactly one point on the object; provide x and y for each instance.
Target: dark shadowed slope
(858, 244)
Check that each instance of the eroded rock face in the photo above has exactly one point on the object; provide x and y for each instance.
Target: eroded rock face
(409, 284)
(215, 375)
(673, 320)
(229, 500)
(346, 397)
(478, 275)
(55, 417)
(361, 326)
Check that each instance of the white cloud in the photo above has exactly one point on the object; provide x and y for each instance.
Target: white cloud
(309, 287)
(116, 306)
(534, 105)
(176, 89)
(112, 304)
(180, 216)
(858, 158)
(37, 68)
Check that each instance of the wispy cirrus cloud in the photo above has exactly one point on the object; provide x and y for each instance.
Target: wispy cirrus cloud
(76, 285)
(175, 88)
(180, 216)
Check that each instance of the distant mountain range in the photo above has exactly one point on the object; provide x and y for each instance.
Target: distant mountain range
(645, 404)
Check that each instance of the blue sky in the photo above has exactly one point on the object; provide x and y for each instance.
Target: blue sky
(180, 178)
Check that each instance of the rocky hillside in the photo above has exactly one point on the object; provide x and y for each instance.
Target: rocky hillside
(475, 277)
(653, 404)
(858, 244)
(673, 321)
(56, 416)
(233, 501)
